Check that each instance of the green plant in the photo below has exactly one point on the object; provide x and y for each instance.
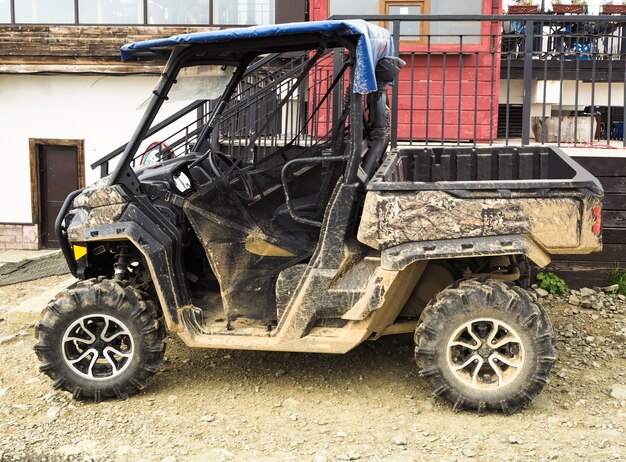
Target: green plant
(552, 283)
(617, 277)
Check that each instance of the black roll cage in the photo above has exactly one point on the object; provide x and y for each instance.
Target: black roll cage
(241, 55)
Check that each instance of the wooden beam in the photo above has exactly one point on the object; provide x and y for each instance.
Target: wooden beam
(77, 49)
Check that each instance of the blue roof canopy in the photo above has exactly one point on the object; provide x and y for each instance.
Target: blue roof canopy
(374, 43)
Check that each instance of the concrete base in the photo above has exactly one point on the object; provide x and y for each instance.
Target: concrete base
(29, 311)
(571, 130)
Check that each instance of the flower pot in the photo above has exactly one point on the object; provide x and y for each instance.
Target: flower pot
(613, 9)
(568, 9)
(523, 9)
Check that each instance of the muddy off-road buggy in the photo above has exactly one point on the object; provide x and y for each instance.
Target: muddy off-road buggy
(281, 221)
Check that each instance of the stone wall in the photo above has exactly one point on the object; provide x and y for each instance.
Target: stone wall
(18, 236)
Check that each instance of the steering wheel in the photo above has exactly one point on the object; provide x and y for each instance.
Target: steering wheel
(222, 165)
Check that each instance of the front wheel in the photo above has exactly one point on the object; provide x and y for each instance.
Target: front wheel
(100, 340)
(485, 345)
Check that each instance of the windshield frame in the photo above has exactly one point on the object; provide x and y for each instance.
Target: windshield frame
(180, 58)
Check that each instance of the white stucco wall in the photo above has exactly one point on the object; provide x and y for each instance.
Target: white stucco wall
(100, 110)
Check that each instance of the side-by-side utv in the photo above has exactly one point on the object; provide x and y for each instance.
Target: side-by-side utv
(279, 220)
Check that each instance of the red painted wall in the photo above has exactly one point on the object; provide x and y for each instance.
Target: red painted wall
(477, 73)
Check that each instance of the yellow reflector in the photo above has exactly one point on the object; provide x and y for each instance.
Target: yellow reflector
(79, 251)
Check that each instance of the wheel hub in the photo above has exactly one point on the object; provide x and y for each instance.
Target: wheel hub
(98, 346)
(485, 354)
(484, 351)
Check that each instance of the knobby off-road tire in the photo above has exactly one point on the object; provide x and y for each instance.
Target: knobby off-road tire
(485, 345)
(100, 340)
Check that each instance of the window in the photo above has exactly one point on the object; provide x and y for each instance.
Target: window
(161, 12)
(45, 11)
(410, 31)
(243, 11)
(5, 11)
(110, 11)
(178, 11)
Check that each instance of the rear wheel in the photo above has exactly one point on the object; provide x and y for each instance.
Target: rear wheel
(485, 345)
(100, 340)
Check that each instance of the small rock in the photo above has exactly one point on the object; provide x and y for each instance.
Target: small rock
(597, 305)
(542, 292)
(320, 458)
(399, 440)
(587, 292)
(469, 452)
(279, 373)
(574, 300)
(169, 459)
(618, 392)
(7, 339)
(513, 439)
(53, 413)
(354, 456)
(208, 418)
(171, 399)
(611, 289)
(341, 434)
(589, 339)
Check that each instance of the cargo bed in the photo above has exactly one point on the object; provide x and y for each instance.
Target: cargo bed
(455, 202)
(502, 167)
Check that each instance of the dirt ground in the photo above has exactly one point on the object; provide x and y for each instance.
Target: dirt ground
(370, 405)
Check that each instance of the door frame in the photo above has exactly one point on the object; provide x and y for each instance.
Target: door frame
(35, 187)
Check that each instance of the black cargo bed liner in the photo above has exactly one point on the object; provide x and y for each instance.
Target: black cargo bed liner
(490, 168)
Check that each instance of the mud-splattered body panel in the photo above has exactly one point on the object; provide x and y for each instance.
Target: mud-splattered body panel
(391, 218)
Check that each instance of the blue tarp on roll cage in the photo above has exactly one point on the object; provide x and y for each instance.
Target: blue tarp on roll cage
(374, 43)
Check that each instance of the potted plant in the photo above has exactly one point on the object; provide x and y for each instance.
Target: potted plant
(525, 7)
(576, 7)
(613, 8)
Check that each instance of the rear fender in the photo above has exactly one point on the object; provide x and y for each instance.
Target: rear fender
(401, 256)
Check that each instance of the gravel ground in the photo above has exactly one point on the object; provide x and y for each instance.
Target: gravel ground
(370, 405)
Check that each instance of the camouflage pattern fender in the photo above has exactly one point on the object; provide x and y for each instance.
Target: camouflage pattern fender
(103, 214)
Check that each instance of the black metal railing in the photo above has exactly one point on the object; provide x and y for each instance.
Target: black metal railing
(511, 79)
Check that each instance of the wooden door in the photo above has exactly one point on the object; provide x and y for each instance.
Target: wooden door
(58, 176)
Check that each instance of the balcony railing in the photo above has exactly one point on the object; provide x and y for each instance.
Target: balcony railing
(548, 79)
(509, 79)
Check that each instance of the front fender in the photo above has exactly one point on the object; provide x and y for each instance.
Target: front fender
(157, 249)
